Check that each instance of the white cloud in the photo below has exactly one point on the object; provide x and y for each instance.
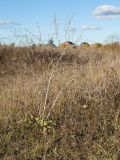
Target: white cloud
(87, 27)
(107, 12)
(7, 23)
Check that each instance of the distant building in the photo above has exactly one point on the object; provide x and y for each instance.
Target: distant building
(67, 44)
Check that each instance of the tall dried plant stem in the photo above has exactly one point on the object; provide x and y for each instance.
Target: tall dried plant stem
(49, 82)
(58, 95)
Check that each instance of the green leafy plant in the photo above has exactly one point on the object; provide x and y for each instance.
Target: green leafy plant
(45, 126)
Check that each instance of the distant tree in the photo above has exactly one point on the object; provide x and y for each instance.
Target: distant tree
(12, 44)
(33, 46)
(97, 45)
(51, 42)
(86, 44)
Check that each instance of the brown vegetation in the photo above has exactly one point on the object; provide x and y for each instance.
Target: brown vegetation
(59, 104)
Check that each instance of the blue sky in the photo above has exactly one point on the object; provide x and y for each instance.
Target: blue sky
(91, 21)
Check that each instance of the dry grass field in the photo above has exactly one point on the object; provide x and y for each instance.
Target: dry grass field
(60, 104)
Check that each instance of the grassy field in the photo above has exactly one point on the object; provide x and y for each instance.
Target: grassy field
(60, 104)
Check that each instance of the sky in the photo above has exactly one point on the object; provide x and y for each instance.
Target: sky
(23, 21)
